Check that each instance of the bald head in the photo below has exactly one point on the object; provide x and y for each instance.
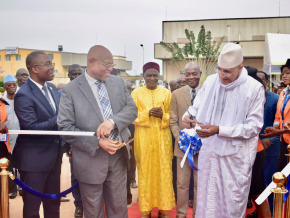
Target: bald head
(21, 70)
(74, 71)
(173, 85)
(99, 52)
(99, 63)
(181, 81)
(21, 76)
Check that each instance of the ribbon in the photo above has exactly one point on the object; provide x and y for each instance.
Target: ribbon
(41, 195)
(262, 197)
(42, 132)
(189, 144)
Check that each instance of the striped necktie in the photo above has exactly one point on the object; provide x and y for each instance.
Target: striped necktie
(44, 88)
(106, 106)
(193, 95)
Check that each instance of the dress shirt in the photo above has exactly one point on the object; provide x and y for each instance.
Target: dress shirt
(94, 87)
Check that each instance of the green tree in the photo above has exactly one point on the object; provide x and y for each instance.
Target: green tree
(2, 90)
(204, 51)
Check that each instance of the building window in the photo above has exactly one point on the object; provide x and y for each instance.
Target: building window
(8, 58)
(18, 57)
(50, 56)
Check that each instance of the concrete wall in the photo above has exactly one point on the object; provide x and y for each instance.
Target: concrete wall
(250, 33)
(240, 30)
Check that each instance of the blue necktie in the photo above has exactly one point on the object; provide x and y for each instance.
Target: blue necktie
(48, 99)
(106, 107)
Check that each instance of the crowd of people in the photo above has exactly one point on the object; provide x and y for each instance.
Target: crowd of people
(244, 129)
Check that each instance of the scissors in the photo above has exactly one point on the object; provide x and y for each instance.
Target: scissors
(125, 143)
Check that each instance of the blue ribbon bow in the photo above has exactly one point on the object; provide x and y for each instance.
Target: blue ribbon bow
(194, 142)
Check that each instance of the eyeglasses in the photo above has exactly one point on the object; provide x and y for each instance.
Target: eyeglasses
(107, 65)
(49, 64)
(181, 82)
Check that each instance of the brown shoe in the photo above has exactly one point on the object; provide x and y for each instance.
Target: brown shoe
(129, 201)
(161, 215)
(63, 199)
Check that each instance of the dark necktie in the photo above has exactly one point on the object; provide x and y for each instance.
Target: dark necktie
(106, 107)
(193, 95)
(44, 88)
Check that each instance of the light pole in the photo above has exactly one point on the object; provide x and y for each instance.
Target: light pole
(143, 52)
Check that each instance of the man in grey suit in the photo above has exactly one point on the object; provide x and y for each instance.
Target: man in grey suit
(98, 101)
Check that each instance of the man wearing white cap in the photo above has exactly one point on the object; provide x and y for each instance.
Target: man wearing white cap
(229, 108)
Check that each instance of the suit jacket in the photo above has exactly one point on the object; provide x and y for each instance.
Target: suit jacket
(269, 117)
(180, 102)
(79, 111)
(36, 153)
(278, 117)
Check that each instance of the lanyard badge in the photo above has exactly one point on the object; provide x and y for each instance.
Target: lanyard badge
(3, 137)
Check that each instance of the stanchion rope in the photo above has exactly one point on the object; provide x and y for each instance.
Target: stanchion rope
(39, 194)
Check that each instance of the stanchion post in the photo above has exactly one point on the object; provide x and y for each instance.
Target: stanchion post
(4, 164)
(279, 179)
(287, 203)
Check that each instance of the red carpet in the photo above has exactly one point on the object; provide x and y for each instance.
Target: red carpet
(134, 212)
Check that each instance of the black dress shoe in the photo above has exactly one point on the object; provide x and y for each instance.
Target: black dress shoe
(253, 215)
(12, 195)
(249, 204)
(79, 212)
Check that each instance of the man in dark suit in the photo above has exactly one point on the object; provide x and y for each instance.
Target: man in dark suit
(271, 145)
(38, 158)
(98, 101)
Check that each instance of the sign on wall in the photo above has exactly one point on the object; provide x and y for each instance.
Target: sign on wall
(12, 50)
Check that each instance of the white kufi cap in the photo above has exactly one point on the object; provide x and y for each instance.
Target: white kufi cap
(230, 56)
